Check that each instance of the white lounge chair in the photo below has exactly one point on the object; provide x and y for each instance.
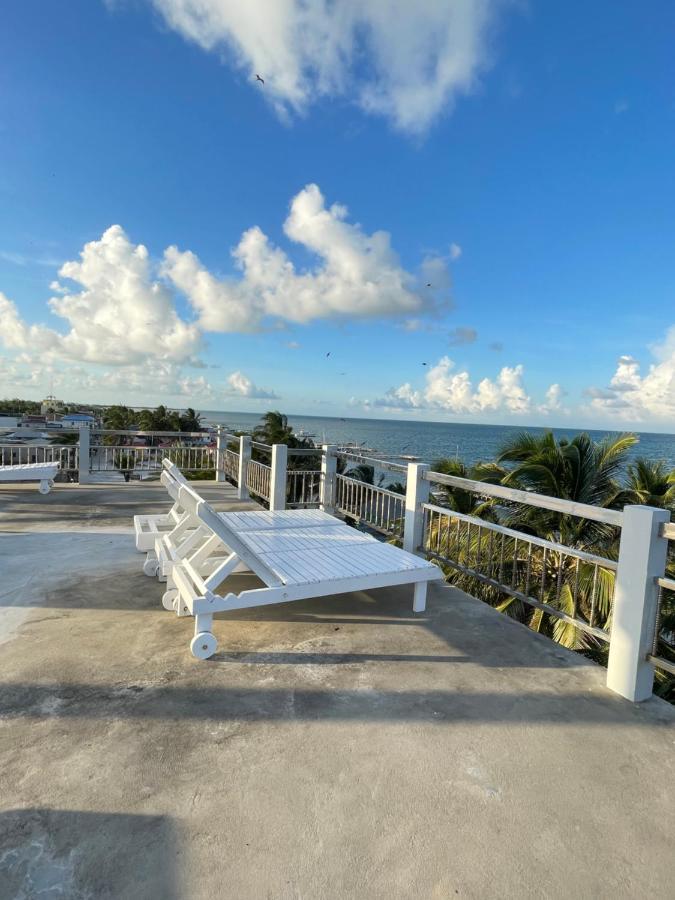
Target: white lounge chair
(293, 564)
(164, 538)
(45, 473)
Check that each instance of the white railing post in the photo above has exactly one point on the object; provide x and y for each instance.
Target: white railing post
(221, 444)
(244, 459)
(642, 559)
(328, 482)
(278, 477)
(417, 493)
(83, 454)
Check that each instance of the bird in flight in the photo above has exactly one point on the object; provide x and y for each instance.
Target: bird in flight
(342, 373)
(327, 354)
(424, 364)
(428, 285)
(258, 78)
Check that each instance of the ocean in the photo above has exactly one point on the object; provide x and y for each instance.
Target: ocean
(430, 440)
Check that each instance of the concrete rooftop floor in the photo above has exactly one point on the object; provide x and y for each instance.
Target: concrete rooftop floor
(334, 748)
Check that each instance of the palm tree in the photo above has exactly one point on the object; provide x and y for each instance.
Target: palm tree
(274, 429)
(191, 420)
(580, 470)
(651, 482)
(459, 499)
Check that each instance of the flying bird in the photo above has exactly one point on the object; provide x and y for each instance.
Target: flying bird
(428, 285)
(342, 373)
(258, 78)
(424, 364)
(327, 354)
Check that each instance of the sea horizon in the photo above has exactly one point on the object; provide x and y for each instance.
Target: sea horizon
(470, 442)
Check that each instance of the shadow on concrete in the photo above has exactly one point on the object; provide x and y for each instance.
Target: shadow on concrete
(78, 854)
(219, 704)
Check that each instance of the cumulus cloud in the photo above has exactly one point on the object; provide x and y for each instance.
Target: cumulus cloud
(242, 386)
(496, 346)
(120, 316)
(553, 402)
(446, 389)
(405, 61)
(632, 396)
(459, 336)
(455, 251)
(357, 275)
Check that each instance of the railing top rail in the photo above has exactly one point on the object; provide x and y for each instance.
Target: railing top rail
(260, 446)
(524, 537)
(373, 487)
(376, 460)
(556, 504)
(668, 531)
(305, 451)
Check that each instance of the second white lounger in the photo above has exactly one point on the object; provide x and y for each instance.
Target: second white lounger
(45, 473)
(293, 564)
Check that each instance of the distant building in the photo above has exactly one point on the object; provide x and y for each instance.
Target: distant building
(51, 406)
(78, 420)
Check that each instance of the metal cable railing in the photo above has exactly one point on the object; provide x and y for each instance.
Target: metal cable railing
(572, 585)
(381, 509)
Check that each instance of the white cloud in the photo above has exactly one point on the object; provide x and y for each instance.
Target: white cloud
(631, 396)
(242, 386)
(358, 275)
(455, 251)
(406, 61)
(461, 335)
(553, 402)
(121, 316)
(453, 391)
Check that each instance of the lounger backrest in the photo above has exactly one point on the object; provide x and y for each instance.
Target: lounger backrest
(196, 505)
(173, 469)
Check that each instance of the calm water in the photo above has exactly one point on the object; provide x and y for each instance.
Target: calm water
(429, 440)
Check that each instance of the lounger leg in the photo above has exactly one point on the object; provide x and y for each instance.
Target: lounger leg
(44, 486)
(204, 643)
(420, 597)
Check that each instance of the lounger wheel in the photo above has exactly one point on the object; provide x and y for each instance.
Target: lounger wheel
(151, 568)
(169, 600)
(203, 645)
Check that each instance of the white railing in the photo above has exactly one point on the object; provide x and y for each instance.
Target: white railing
(303, 488)
(381, 509)
(141, 460)
(662, 653)
(258, 479)
(66, 455)
(230, 460)
(569, 584)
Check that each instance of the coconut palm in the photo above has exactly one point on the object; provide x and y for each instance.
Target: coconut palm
(190, 420)
(651, 482)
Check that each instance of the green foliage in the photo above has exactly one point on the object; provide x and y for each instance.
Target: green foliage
(19, 407)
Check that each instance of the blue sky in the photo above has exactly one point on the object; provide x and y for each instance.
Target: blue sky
(519, 157)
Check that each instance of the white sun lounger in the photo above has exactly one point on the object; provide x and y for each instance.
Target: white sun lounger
(45, 473)
(168, 537)
(293, 564)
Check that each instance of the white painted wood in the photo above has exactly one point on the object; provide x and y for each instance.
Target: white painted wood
(43, 473)
(420, 596)
(569, 507)
(244, 458)
(278, 477)
(417, 494)
(642, 559)
(84, 462)
(221, 445)
(328, 485)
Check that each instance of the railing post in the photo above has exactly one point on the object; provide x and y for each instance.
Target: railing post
(221, 444)
(278, 477)
(244, 458)
(83, 454)
(328, 481)
(417, 493)
(642, 559)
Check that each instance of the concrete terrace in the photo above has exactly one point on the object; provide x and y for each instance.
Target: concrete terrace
(332, 748)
